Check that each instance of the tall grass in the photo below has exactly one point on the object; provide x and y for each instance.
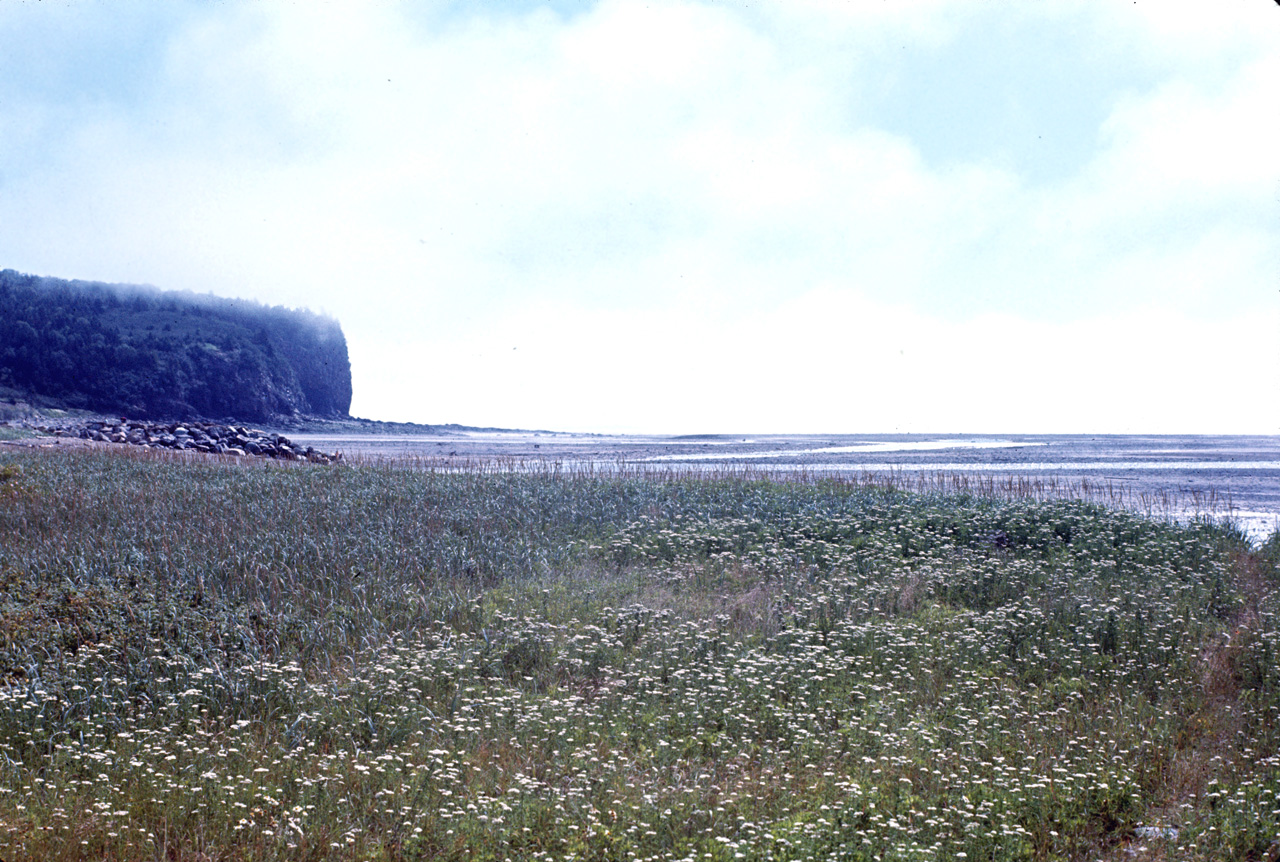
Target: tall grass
(204, 660)
(1162, 503)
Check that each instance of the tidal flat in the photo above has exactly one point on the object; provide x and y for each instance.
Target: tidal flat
(216, 658)
(1174, 476)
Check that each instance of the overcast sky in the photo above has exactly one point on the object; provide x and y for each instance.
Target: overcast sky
(792, 216)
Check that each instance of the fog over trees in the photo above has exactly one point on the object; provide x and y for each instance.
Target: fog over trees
(145, 353)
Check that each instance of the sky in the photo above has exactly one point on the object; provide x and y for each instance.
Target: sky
(797, 216)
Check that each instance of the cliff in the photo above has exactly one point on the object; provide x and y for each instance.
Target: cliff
(146, 353)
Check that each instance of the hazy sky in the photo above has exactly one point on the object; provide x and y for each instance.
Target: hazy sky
(688, 216)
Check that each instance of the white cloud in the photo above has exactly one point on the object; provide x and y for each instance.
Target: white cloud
(835, 362)
(673, 214)
(1192, 144)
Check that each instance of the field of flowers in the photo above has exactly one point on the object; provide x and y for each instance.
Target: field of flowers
(204, 660)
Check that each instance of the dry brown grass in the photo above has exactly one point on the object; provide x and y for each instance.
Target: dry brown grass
(1211, 731)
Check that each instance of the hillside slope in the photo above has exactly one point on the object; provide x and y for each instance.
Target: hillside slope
(147, 353)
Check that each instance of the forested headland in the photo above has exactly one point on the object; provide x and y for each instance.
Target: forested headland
(146, 353)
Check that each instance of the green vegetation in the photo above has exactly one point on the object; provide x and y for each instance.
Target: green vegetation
(147, 354)
(296, 662)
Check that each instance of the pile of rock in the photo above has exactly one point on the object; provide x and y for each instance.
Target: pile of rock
(209, 437)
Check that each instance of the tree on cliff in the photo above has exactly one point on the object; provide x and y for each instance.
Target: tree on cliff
(146, 353)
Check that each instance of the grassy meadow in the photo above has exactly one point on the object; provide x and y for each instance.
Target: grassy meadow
(203, 660)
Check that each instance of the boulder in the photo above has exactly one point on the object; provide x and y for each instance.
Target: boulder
(212, 438)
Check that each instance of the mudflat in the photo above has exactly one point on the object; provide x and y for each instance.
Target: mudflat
(1177, 475)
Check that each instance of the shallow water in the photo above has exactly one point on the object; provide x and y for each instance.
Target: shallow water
(1172, 475)
(881, 446)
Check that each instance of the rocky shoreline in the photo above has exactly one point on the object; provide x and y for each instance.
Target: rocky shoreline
(212, 438)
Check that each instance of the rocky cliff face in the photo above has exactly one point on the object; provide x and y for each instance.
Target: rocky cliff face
(144, 353)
